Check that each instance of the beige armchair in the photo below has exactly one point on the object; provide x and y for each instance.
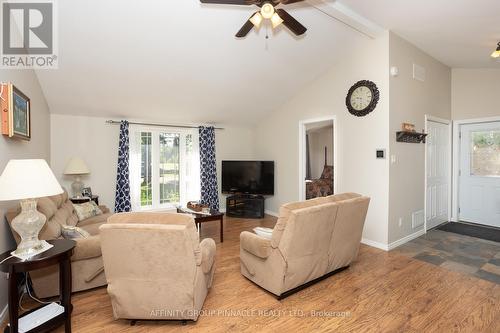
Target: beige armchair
(155, 266)
(311, 240)
(86, 262)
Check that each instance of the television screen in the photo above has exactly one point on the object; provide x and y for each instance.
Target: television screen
(249, 177)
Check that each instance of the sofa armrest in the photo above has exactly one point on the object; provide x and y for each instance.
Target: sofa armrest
(87, 248)
(104, 209)
(256, 245)
(207, 248)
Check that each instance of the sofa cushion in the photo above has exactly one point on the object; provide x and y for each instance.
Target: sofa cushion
(87, 248)
(47, 207)
(99, 219)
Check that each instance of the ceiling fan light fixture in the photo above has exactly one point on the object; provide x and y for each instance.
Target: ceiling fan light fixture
(267, 10)
(496, 54)
(256, 20)
(276, 20)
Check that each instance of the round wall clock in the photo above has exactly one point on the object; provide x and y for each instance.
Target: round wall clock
(362, 98)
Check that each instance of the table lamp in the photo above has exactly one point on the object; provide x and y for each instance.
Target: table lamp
(76, 167)
(27, 180)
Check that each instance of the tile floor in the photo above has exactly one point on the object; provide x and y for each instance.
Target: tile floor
(464, 254)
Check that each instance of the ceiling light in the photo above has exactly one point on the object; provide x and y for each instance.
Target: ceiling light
(256, 20)
(496, 54)
(267, 10)
(276, 20)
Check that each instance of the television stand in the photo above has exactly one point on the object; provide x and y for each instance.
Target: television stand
(245, 206)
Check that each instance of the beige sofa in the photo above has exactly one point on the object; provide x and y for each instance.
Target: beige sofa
(86, 263)
(155, 265)
(311, 240)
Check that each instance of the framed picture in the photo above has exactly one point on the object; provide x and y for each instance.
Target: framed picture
(87, 192)
(16, 113)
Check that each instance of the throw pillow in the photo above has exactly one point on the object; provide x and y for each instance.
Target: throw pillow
(69, 232)
(86, 210)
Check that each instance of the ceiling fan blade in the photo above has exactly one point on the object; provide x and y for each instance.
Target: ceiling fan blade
(246, 28)
(291, 23)
(232, 2)
(287, 2)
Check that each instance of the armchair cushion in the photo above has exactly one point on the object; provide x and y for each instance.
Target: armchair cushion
(256, 245)
(208, 248)
(87, 248)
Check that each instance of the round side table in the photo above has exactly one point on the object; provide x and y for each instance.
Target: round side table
(60, 254)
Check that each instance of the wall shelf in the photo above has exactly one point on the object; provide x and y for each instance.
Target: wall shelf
(410, 137)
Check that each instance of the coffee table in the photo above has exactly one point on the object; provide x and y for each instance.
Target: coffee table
(215, 215)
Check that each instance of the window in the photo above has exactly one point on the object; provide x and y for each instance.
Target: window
(485, 159)
(164, 167)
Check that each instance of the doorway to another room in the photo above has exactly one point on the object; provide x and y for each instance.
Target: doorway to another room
(317, 158)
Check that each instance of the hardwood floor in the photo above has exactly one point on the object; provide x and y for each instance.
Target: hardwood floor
(381, 292)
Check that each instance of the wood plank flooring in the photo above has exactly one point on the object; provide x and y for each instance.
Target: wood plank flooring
(381, 292)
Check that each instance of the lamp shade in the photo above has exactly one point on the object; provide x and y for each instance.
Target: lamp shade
(76, 166)
(27, 179)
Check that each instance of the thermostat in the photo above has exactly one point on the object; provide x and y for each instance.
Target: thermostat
(381, 153)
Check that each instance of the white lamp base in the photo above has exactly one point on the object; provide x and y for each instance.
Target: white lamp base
(26, 254)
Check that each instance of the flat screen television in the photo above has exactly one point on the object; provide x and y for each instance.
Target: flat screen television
(248, 177)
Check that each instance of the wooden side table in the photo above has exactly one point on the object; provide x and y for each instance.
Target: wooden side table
(200, 218)
(59, 254)
(95, 198)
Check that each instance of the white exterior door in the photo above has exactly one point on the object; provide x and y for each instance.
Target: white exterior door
(438, 171)
(479, 184)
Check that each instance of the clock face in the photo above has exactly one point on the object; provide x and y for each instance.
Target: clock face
(362, 98)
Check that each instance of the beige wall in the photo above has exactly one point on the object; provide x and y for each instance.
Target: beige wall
(97, 143)
(410, 101)
(475, 93)
(358, 170)
(38, 147)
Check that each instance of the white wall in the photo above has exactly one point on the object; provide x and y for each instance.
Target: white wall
(357, 138)
(38, 147)
(410, 101)
(97, 143)
(475, 93)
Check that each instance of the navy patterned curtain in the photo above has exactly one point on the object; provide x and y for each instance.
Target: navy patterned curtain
(208, 168)
(122, 196)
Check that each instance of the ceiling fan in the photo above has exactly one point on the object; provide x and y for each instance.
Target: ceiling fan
(267, 11)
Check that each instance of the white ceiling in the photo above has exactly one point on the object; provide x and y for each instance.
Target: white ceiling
(459, 33)
(178, 61)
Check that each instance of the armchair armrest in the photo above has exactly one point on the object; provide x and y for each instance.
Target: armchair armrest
(104, 209)
(87, 248)
(207, 249)
(256, 245)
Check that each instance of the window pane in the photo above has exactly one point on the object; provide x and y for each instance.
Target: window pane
(485, 154)
(169, 168)
(146, 168)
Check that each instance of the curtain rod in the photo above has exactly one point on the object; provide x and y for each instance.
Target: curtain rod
(114, 122)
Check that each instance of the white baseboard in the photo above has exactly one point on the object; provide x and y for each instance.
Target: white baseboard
(378, 245)
(268, 212)
(4, 313)
(406, 239)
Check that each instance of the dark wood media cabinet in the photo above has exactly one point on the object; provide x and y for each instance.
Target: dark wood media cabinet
(245, 206)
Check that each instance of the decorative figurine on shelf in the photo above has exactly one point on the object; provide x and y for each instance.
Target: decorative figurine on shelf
(407, 127)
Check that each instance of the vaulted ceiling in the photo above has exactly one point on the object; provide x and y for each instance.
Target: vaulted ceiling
(178, 61)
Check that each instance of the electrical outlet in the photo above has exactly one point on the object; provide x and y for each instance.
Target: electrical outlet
(400, 222)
